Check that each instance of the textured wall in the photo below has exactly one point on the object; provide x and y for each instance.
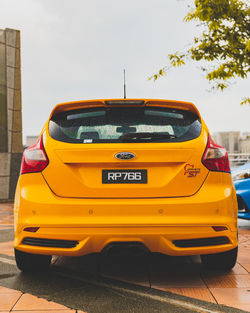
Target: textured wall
(10, 112)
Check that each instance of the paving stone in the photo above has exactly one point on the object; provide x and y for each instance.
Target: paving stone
(197, 293)
(8, 300)
(8, 290)
(30, 302)
(236, 297)
(7, 248)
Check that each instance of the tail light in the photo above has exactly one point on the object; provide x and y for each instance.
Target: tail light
(34, 158)
(215, 157)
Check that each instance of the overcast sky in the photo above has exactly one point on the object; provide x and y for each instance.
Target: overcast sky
(77, 49)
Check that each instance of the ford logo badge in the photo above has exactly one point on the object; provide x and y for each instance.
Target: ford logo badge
(125, 155)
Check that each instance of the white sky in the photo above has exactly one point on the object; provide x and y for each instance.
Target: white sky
(77, 49)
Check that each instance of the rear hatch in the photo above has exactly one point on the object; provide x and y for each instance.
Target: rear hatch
(125, 149)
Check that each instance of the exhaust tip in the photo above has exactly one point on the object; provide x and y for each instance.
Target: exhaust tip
(125, 248)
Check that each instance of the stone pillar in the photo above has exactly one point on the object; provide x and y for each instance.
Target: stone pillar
(10, 112)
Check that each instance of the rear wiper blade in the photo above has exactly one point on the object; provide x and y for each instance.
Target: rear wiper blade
(140, 136)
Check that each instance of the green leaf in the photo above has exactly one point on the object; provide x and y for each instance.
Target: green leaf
(245, 101)
(224, 41)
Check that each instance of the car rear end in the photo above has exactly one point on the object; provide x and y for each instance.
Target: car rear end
(130, 171)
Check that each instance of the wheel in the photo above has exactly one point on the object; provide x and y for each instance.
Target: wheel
(29, 262)
(220, 261)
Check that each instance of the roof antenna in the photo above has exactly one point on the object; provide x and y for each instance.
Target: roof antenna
(124, 83)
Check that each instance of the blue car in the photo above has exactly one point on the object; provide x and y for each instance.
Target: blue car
(241, 177)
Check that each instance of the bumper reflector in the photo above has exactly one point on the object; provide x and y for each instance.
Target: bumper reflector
(31, 229)
(219, 228)
(53, 243)
(201, 242)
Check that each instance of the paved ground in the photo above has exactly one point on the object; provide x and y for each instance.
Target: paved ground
(130, 282)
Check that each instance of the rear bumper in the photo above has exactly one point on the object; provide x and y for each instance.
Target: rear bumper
(94, 223)
(156, 239)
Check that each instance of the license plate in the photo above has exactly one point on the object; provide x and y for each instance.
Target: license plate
(124, 177)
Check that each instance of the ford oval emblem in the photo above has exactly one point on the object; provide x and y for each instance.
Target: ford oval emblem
(125, 155)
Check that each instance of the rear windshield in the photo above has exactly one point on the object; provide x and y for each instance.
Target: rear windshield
(130, 124)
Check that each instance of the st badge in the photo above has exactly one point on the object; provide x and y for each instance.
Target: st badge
(190, 171)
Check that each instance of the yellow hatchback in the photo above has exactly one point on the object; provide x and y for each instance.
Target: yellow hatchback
(125, 171)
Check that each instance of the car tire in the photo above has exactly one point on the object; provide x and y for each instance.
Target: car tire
(220, 261)
(29, 262)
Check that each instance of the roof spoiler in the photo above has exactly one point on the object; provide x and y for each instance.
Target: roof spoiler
(62, 107)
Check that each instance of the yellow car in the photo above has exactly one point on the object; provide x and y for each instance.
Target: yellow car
(126, 171)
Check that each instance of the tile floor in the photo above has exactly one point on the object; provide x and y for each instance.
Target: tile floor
(14, 301)
(187, 279)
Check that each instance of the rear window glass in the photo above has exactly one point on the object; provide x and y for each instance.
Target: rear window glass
(129, 124)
